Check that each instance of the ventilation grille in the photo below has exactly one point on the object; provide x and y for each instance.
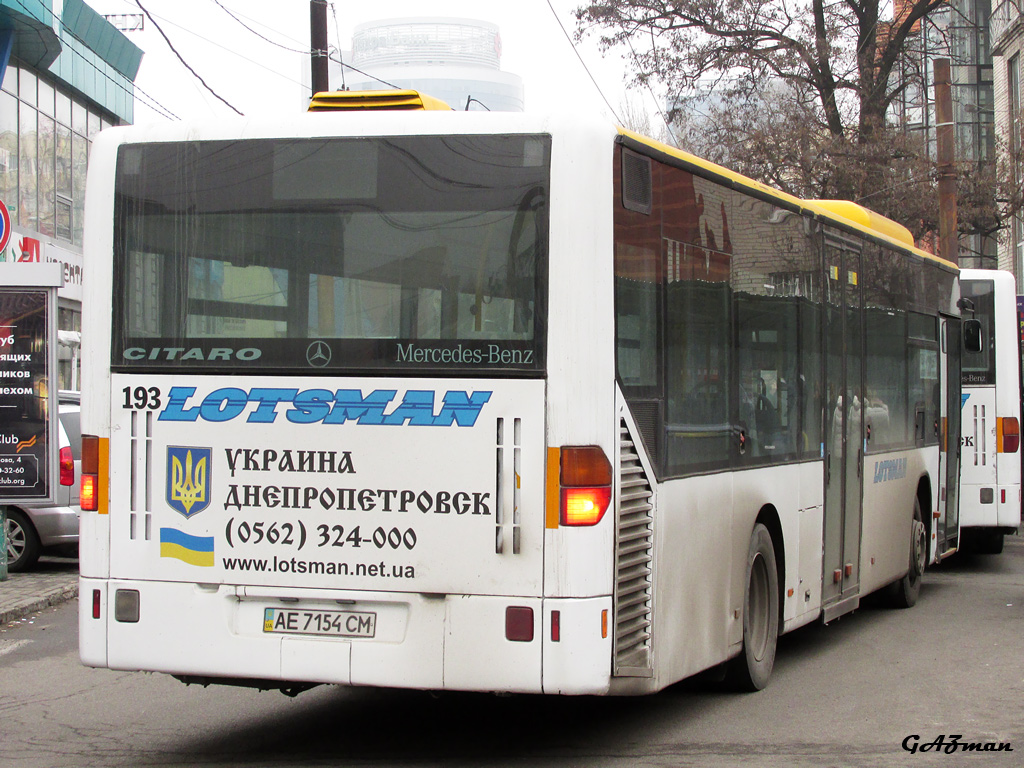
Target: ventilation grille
(647, 417)
(140, 492)
(340, 101)
(633, 554)
(980, 426)
(636, 182)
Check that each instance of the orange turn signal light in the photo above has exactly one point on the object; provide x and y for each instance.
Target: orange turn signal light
(584, 465)
(1009, 434)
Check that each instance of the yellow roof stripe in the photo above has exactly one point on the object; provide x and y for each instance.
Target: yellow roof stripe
(843, 212)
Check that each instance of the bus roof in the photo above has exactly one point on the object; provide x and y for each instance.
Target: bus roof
(842, 212)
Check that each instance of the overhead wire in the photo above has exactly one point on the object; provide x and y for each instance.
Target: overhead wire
(657, 106)
(308, 51)
(214, 43)
(182, 60)
(258, 34)
(337, 34)
(154, 104)
(585, 67)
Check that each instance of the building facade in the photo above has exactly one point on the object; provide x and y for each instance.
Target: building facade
(65, 74)
(1007, 36)
(958, 31)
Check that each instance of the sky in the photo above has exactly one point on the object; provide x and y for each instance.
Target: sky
(262, 74)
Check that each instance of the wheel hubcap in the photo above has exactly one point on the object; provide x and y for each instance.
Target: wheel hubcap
(15, 541)
(918, 548)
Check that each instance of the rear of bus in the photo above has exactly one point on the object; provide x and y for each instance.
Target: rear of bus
(990, 459)
(319, 397)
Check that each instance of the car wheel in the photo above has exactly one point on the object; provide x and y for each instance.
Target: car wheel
(22, 541)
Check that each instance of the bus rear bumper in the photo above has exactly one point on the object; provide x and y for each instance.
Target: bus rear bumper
(405, 640)
(990, 506)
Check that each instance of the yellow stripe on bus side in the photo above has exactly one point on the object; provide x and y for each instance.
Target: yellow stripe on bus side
(103, 477)
(554, 497)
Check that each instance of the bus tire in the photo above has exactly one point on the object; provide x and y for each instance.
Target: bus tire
(989, 543)
(750, 670)
(905, 592)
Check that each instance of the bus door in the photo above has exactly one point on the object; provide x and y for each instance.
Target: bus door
(844, 440)
(947, 531)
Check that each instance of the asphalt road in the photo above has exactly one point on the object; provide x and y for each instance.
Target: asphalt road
(847, 694)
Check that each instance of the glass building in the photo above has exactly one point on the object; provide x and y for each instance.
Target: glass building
(455, 60)
(958, 31)
(1007, 47)
(65, 74)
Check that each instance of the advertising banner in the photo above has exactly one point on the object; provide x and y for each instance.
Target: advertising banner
(28, 397)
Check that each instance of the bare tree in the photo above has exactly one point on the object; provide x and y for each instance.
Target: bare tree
(797, 93)
(841, 53)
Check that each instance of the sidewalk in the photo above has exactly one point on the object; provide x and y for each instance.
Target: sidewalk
(52, 581)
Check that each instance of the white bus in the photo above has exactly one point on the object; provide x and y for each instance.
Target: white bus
(492, 402)
(990, 461)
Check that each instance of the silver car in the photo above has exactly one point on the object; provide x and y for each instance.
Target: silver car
(32, 529)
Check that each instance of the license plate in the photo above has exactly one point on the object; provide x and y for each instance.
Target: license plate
(332, 623)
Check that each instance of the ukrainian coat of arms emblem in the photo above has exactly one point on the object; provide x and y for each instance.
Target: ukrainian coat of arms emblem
(188, 478)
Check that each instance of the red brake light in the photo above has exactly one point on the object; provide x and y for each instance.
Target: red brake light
(67, 466)
(586, 480)
(584, 506)
(88, 495)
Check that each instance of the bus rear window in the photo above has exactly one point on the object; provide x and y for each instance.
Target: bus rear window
(423, 254)
(980, 367)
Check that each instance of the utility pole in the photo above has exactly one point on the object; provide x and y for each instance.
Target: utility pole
(318, 65)
(949, 237)
(318, 45)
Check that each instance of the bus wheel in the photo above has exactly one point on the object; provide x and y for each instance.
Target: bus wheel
(904, 593)
(751, 669)
(989, 543)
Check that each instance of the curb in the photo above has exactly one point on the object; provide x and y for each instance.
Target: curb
(63, 595)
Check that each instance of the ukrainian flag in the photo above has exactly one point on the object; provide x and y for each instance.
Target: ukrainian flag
(195, 550)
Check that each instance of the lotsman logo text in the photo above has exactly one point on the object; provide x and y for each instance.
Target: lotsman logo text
(314, 406)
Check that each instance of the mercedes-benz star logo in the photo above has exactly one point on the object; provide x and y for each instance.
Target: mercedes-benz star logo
(318, 354)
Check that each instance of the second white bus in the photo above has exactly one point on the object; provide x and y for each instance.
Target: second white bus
(990, 461)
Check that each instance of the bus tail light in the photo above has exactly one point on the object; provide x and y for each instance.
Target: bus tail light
(87, 493)
(92, 495)
(586, 485)
(67, 466)
(1009, 434)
